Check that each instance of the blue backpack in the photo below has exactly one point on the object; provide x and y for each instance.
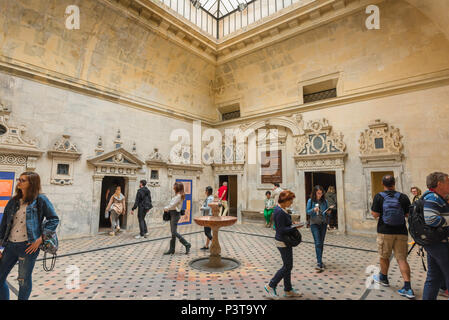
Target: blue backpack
(392, 213)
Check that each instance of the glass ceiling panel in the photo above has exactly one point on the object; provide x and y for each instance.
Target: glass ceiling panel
(220, 8)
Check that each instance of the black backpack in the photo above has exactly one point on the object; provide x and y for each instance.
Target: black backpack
(292, 238)
(422, 233)
(147, 205)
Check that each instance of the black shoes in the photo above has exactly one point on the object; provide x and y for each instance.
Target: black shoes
(204, 248)
(188, 248)
(169, 252)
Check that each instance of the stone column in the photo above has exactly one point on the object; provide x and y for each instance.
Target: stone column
(239, 194)
(340, 188)
(301, 196)
(96, 203)
(131, 220)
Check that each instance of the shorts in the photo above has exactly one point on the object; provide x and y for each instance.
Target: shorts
(388, 243)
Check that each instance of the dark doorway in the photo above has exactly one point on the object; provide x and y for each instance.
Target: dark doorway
(107, 189)
(322, 178)
(232, 193)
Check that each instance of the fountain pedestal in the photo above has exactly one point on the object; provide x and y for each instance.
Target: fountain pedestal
(215, 222)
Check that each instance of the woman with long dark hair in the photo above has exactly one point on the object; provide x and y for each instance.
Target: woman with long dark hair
(317, 210)
(21, 232)
(283, 222)
(174, 208)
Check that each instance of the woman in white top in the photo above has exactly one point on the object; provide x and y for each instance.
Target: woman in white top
(174, 208)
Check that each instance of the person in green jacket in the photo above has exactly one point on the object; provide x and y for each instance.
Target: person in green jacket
(269, 207)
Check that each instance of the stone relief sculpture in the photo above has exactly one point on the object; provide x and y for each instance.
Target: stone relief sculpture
(63, 154)
(380, 141)
(318, 138)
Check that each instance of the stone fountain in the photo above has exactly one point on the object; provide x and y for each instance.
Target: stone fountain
(215, 262)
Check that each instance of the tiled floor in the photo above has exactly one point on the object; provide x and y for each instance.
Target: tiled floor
(122, 267)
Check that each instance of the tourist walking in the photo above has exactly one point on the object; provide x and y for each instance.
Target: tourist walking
(269, 208)
(21, 232)
(317, 209)
(174, 209)
(143, 205)
(207, 211)
(391, 208)
(283, 222)
(331, 198)
(116, 208)
(436, 214)
(222, 194)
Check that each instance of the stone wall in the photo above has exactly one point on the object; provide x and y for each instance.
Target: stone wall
(110, 54)
(409, 47)
(49, 112)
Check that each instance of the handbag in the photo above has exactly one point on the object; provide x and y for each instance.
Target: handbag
(182, 212)
(292, 238)
(50, 243)
(166, 216)
(317, 219)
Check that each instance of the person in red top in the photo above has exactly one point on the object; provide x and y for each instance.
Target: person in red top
(222, 194)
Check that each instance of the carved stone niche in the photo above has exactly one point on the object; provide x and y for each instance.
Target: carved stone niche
(15, 147)
(64, 154)
(380, 143)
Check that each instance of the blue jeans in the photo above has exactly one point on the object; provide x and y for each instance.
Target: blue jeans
(319, 233)
(286, 271)
(15, 251)
(437, 270)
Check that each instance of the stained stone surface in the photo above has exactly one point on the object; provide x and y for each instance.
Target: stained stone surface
(125, 268)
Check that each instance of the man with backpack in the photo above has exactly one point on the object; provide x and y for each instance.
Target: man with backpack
(436, 216)
(143, 203)
(391, 208)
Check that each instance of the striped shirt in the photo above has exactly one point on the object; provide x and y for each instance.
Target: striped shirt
(436, 210)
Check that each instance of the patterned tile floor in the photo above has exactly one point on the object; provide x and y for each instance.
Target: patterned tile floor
(122, 267)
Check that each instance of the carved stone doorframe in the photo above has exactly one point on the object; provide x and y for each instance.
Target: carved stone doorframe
(321, 149)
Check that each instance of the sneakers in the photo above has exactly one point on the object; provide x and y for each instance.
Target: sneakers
(146, 235)
(376, 279)
(112, 233)
(292, 294)
(407, 293)
(443, 293)
(117, 229)
(138, 237)
(271, 291)
(319, 268)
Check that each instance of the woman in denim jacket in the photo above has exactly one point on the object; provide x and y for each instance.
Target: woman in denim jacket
(316, 209)
(21, 232)
(206, 211)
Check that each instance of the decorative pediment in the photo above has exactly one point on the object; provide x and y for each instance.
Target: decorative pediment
(319, 147)
(380, 143)
(13, 139)
(65, 148)
(319, 139)
(118, 161)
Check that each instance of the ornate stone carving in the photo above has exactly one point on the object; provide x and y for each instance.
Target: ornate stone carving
(319, 138)
(380, 143)
(319, 147)
(156, 156)
(5, 109)
(99, 149)
(12, 138)
(13, 159)
(65, 148)
(118, 143)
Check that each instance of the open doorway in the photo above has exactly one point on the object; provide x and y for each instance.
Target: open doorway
(107, 189)
(324, 179)
(232, 196)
